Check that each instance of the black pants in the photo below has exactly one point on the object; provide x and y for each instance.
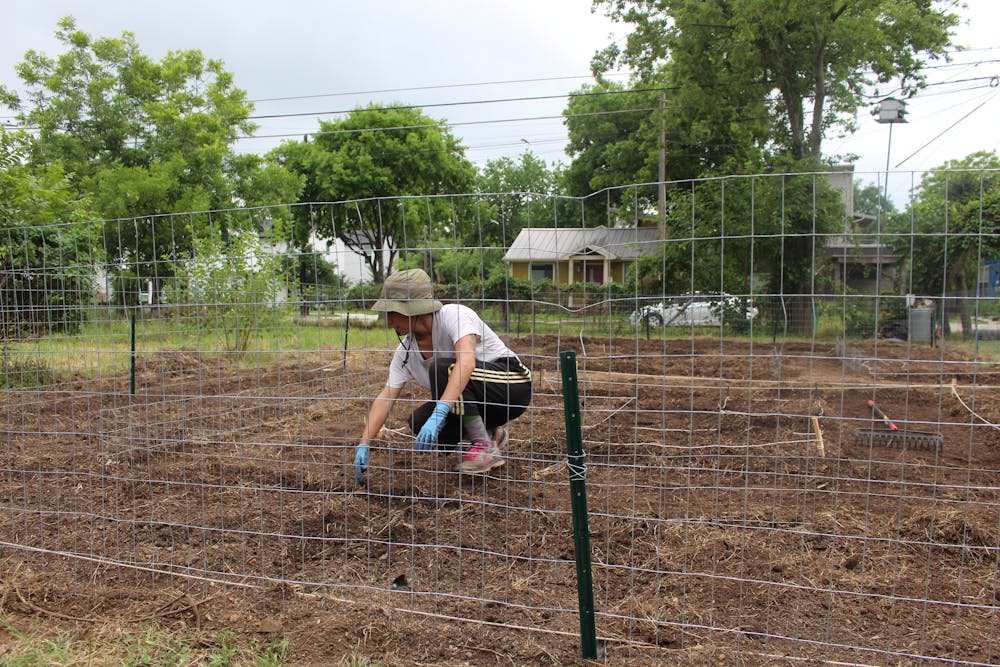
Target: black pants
(498, 391)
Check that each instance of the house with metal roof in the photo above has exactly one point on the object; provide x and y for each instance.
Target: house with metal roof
(578, 255)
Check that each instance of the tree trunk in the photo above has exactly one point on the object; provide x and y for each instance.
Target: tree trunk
(819, 98)
(960, 288)
(964, 310)
(798, 313)
(303, 279)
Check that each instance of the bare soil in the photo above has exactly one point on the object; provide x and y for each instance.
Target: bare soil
(721, 531)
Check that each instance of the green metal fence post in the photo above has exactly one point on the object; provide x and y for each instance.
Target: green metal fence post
(578, 492)
(131, 361)
(347, 333)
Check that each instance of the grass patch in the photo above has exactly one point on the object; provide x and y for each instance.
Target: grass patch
(358, 659)
(104, 347)
(19, 370)
(154, 646)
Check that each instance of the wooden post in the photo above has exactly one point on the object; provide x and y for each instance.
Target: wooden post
(819, 437)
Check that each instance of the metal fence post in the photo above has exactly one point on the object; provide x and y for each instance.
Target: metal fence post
(578, 492)
(131, 356)
(347, 333)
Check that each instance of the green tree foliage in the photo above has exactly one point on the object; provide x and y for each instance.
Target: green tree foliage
(951, 229)
(619, 134)
(781, 74)
(613, 140)
(369, 162)
(103, 103)
(46, 261)
(513, 194)
(517, 194)
(139, 138)
(13, 146)
(268, 190)
(235, 283)
(259, 182)
(870, 199)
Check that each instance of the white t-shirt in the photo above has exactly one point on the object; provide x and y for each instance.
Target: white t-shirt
(452, 322)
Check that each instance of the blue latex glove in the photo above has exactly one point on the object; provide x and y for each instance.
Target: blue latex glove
(428, 435)
(360, 462)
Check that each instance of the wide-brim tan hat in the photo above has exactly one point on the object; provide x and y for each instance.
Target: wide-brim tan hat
(409, 293)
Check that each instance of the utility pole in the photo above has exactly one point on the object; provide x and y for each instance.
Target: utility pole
(889, 112)
(662, 222)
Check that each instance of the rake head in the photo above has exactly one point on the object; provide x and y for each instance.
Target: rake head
(893, 436)
(899, 439)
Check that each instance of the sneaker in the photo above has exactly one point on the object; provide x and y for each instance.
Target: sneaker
(500, 436)
(482, 456)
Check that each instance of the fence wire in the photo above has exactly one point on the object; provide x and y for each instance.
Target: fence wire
(747, 499)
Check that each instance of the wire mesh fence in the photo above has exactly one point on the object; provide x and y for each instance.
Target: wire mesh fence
(182, 396)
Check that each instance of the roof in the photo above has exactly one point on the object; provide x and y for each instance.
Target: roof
(536, 244)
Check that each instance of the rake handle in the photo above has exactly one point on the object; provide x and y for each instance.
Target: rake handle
(881, 415)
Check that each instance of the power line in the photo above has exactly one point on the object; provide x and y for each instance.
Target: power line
(966, 89)
(446, 125)
(538, 98)
(466, 102)
(992, 82)
(296, 133)
(947, 129)
(436, 87)
(408, 106)
(955, 65)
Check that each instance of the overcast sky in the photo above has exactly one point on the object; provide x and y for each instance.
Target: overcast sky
(334, 56)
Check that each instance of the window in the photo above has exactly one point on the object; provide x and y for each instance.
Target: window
(541, 272)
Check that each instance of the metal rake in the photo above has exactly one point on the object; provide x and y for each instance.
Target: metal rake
(890, 435)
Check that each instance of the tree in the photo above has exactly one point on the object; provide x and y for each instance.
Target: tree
(871, 200)
(512, 194)
(613, 134)
(47, 257)
(800, 66)
(517, 194)
(13, 147)
(141, 139)
(951, 227)
(619, 134)
(369, 162)
(625, 134)
(236, 284)
(103, 103)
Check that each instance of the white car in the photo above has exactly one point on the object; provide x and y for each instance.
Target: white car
(694, 310)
